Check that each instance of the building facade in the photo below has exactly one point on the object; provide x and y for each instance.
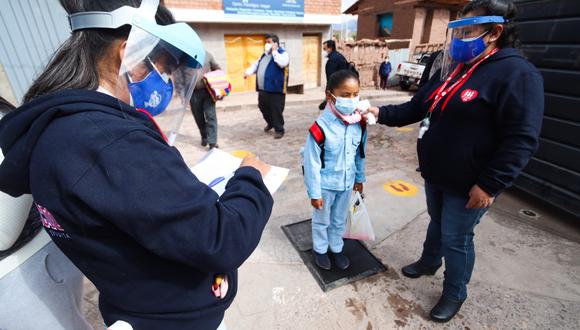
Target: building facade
(234, 32)
(405, 24)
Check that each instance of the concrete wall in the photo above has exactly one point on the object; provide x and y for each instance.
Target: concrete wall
(30, 33)
(290, 35)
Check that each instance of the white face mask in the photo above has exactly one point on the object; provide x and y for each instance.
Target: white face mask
(346, 105)
(267, 47)
(324, 53)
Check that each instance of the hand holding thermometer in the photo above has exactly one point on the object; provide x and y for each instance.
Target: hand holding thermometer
(364, 106)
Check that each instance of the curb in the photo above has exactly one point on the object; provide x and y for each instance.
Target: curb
(249, 106)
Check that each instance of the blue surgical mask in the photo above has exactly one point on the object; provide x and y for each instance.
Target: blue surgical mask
(152, 93)
(346, 105)
(465, 50)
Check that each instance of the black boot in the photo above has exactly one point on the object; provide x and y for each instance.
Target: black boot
(445, 309)
(340, 260)
(417, 269)
(322, 261)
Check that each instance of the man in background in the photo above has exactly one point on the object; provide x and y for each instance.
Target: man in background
(271, 71)
(336, 62)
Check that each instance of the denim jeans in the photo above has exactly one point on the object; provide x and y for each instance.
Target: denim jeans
(450, 236)
(329, 224)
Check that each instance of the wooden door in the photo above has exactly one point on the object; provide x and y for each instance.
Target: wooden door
(241, 52)
(311, 52)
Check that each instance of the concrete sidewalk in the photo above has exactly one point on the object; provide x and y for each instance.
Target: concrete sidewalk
(525, 277)
(243, 101)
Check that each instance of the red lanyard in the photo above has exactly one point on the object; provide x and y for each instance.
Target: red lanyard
(153, 120)
(443, 91)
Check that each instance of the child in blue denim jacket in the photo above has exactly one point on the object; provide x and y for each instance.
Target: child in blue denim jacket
(334, 166)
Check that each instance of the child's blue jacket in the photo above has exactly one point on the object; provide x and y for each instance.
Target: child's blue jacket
(343, 164)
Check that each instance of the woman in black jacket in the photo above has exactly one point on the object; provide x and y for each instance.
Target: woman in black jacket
(480, 126)
(161, 247)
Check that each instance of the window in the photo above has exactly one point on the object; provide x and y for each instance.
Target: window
(385, 25)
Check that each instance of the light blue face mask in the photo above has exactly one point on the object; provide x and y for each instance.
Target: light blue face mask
(346, 105)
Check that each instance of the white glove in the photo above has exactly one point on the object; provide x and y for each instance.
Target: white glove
(364, 106)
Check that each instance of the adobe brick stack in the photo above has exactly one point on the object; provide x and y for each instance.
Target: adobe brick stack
(367, 55)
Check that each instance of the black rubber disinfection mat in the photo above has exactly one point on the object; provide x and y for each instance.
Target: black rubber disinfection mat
(362, 262)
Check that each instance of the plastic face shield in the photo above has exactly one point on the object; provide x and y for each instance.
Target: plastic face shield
(464, 43)
(160, 66)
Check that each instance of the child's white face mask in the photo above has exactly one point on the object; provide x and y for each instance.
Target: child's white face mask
(346, 105)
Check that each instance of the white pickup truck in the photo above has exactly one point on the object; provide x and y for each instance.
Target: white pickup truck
(410, 73)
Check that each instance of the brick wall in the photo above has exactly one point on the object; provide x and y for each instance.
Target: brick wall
(368, 25)
(327, 7)
(195, 4)
(367, 56)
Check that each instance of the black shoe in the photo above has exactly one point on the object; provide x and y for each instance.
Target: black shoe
(416, 270)
(278, 135)
(322, 261)
(203, 143)
(445, 309)
(340, 260)
(267, 128)
(213, 145)
(322, 105)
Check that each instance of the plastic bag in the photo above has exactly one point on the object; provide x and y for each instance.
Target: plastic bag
(358, 223)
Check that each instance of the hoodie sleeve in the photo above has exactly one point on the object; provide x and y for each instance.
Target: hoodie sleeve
(519, 122)
(144, 188)
(409, 112)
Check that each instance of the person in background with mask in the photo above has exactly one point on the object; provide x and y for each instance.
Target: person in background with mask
(39, 287)
(271, 71)
(384, 72)
(160, 246)
(335, 62)
(334, 167)
(481, 117)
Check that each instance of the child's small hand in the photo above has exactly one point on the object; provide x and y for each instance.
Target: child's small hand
(317, 203)
(358, 187)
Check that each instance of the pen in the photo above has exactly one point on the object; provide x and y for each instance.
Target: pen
(216, 181)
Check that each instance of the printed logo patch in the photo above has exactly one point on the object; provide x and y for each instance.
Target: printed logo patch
(50, 223)
(468, 95)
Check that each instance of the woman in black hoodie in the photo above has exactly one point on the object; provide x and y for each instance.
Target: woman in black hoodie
(479, 129)
(159, 245)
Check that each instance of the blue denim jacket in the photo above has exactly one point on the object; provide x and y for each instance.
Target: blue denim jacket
(343, 165)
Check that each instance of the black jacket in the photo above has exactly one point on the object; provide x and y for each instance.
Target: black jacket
(335, 63)
(487, 140)
(126, 209)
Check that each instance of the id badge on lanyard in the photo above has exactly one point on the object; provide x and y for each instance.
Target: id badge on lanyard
(443, 91)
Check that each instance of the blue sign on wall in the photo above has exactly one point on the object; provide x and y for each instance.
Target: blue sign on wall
(284, 8)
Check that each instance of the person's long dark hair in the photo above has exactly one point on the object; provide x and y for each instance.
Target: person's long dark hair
(504, 8)
(5, 107)
(74, 64)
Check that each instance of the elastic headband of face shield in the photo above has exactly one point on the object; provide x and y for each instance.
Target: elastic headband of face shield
(178, 39)
(477, 20)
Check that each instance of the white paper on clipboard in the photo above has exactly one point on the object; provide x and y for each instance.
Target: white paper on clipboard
(218, 167)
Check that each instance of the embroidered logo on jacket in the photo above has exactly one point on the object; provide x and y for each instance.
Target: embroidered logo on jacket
(50, 223)
(468, 95)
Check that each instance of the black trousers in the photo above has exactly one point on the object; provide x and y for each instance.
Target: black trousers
(203, 109)
(384, 80)
(272, 106)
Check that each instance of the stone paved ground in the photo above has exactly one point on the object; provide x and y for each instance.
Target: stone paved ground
(527, 273)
